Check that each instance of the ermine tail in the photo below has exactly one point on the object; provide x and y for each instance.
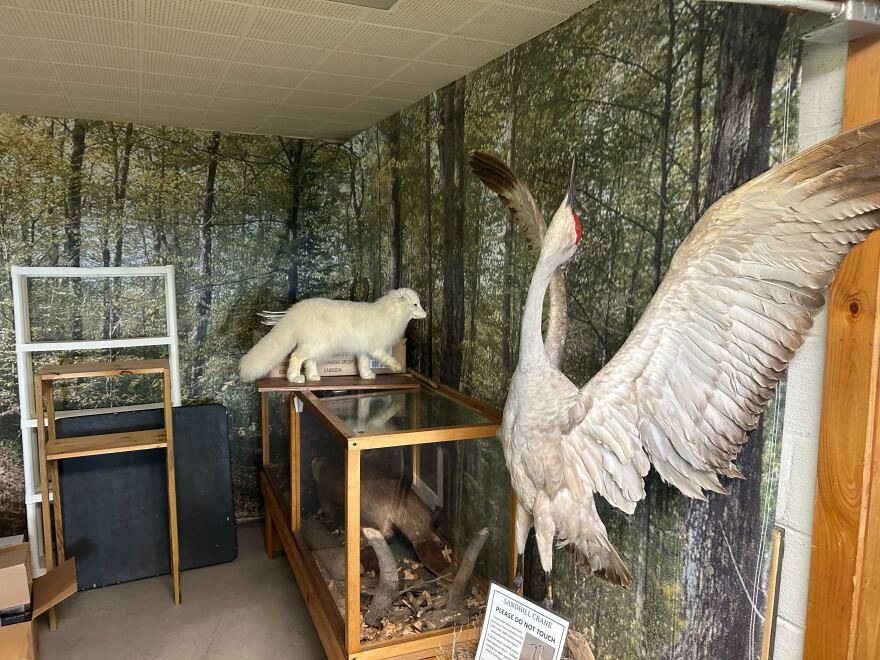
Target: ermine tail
(266, 353)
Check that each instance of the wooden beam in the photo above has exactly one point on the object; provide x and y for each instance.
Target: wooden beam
(843, 611)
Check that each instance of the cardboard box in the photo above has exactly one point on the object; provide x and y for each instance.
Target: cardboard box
(344, 364)
(19, 640)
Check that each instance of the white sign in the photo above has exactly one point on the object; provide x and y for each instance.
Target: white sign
(516, 629)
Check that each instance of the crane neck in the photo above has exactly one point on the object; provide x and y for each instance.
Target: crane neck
(531, 343)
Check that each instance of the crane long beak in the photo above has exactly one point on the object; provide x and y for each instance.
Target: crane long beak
(570, 199)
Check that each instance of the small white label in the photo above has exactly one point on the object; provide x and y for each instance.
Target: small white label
(515, 628)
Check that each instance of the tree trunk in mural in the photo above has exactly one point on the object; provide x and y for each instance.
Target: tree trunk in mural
(206, 226)
(507, 292)
(120, 190)
(73, 225)
(452, 156)
(396, 223)
(665, 120)
(428, 352)
(293, 151)
(723, 535)
(695, 203)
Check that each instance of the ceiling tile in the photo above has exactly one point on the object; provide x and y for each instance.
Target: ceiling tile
(14, 21)
(359, 64)
(158, 111)
(120, 10)
(183, 66)
(236, 90)
(94, 75)
(103, 105)
(328, 82)
(512, 25)
(304, 112)
(30, 85)
(205, 15)
(23, 48)
(178, 84)
(252, 107)
(381, 40)
(83, 28)
(161, 97)
(12, 98)
(33, 69)
(79, 91)
(265, 75)
(442, 16)
(186, 42)
(299, 29)
(465, 52)
(324, 99)
(317, 8)
(268, 53)
(72, 52)
(367, 117)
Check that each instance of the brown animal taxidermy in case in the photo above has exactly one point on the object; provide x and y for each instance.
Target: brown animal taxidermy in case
(388, 505)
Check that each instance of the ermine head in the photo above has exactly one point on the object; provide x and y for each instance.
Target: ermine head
(408, 300)
(564, 233)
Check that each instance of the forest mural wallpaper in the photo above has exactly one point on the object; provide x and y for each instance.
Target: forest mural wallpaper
(667, 104)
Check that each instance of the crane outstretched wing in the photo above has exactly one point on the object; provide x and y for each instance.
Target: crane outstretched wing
(515, 196)
(741, 291)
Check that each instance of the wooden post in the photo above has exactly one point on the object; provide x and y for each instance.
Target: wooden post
(52, 467)
(264, 423)
(172, 486)
(295, 511)
(843, 611)
(352, 550)
(44, 487)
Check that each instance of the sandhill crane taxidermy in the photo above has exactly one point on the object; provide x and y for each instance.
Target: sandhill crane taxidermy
(700, 365)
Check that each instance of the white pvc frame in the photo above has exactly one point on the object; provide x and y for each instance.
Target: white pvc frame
(24, 348)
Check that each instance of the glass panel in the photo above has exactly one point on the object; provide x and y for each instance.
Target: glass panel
(278, 465)
(404, 410)
(322, 502)
(424, 534)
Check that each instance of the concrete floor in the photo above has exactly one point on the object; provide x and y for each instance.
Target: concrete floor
(248, 609)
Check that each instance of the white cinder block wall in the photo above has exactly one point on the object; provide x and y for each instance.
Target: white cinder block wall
(821, 113)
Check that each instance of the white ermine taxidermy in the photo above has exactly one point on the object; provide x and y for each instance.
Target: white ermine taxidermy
(313, 330)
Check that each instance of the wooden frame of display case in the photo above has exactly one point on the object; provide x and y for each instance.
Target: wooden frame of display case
(340, 637)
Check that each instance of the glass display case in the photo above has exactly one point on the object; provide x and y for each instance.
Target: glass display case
(392, 503)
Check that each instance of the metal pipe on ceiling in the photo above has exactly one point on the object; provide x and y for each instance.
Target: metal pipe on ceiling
(818, 6)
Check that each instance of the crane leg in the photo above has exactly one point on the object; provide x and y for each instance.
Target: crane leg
(549, 601)
(523, 524)
(518, 579)
(545, 531)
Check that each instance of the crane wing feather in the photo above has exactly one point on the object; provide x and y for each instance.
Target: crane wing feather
(518, 200)
(702, 362)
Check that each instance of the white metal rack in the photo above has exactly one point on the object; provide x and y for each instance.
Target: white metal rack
(25, 347)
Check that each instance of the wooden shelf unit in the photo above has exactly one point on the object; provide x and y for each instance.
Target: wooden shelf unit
(54, 449)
